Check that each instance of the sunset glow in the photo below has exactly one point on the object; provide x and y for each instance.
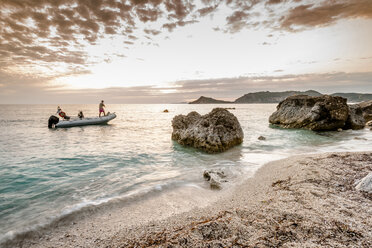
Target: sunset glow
(73, 46)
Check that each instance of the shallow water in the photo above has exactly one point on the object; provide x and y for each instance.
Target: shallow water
(46, 173)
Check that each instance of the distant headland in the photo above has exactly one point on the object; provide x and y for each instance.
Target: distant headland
(275, 97)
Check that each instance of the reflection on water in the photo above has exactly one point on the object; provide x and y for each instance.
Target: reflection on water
(45, 172)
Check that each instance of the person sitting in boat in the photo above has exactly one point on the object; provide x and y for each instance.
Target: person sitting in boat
(80, 114)
(62, 114)
(101, 109)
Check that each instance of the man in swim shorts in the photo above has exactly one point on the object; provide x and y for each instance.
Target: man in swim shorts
(101, 109)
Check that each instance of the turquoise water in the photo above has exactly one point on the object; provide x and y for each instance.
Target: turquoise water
(47, 173)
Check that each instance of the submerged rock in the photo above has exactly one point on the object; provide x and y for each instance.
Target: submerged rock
(355, 120)
(215, 178)
(261, 138)
(214, 132)
(314, 113)
(365, 184)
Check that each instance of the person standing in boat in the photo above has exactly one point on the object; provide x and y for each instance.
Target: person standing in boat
(102, 108)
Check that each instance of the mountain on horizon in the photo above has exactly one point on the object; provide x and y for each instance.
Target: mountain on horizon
(272, 97)
(354, 97)
(207, 100)
(276, 97)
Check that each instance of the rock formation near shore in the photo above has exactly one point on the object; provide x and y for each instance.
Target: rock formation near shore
(314, 113)
(214, 132)
(367, 110)
(355, 120)
(215, 178)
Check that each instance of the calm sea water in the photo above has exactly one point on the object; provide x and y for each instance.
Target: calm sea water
(46, 173)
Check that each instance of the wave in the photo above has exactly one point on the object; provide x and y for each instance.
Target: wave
(86, 208)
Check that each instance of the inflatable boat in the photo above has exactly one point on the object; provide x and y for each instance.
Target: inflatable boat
(54, 121)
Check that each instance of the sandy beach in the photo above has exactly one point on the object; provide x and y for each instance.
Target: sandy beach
(302, 201)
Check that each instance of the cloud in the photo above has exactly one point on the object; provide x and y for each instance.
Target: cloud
(151, 31)
(295, 16)
(49, 31)
(274, 2)
(329, 12)
(53, 36)
(207, 10)
(34, 90)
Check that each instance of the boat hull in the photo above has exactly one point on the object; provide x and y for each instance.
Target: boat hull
(86, 121)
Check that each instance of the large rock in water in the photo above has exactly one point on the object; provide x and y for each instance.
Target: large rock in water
(214, 132)
(355, 119)
(314, 113)
(367, 110)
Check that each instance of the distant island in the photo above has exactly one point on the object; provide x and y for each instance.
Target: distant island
(207, 100)
(275, 97)
(354, 97)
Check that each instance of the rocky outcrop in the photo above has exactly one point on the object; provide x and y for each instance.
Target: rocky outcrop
(355, 120)
(214, 132)
(365, 184)
(314, 113)
(367, 110)
(215, 178)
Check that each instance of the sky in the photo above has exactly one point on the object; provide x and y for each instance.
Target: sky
(171, 51)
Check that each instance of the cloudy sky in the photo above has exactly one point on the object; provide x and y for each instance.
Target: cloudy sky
(168, 51)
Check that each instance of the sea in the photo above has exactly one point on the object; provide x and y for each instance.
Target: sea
(46, 174)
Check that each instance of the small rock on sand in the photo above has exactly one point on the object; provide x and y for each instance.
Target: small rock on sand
(215, 178)
(365, 184)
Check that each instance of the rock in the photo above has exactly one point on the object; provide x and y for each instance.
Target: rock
(365, 184)
(355, 120)
(214, 132)
(367, 110)
(339, 130)
(165, 111)
(320, 113)
(261, 138)
(215, 178)
(369, 124)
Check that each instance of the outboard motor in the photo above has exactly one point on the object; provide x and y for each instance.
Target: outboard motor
(53, 120)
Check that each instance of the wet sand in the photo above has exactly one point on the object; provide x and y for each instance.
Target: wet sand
(302, 201)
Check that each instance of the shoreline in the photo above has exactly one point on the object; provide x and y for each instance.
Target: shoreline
(300, 201)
